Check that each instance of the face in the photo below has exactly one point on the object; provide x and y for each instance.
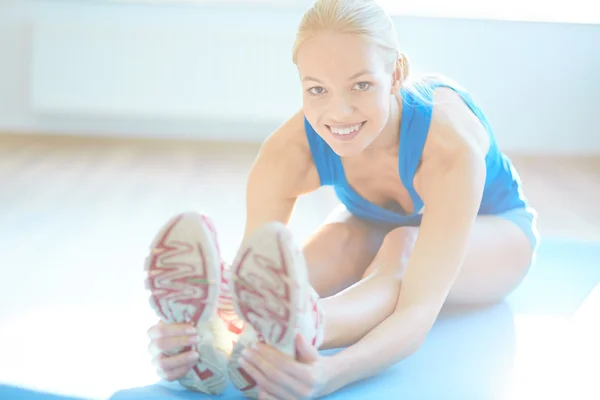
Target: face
(348, 88)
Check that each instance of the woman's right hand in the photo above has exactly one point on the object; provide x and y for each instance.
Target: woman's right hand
(172, 349)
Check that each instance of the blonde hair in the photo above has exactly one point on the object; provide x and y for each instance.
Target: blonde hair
(360, 17)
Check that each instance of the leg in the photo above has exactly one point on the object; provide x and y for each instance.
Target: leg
(352, 313)
(338, 253)
(497, 259)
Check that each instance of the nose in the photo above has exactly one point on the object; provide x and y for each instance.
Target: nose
(340, 108)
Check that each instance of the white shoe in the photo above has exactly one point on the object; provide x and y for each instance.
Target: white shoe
(271, 292)
(238, 376)
(188, 283)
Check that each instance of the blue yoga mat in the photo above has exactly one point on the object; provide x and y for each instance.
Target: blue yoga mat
(9, 392)
(449, 361)
(470, 354)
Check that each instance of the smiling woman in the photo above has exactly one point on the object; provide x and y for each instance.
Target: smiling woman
(341, 100)
(432, 213)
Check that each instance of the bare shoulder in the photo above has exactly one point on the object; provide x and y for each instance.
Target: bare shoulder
(285, 159)
(454, 128)
(456, 137)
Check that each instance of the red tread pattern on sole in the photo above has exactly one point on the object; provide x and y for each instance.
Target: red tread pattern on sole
(157, 266)
(158, 294)
(251, 289)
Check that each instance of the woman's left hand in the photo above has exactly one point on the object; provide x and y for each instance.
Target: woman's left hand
(281, 377)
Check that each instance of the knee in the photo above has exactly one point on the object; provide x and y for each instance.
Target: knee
(337, 235)
(402, 238)
(394, 253)
(331, 258)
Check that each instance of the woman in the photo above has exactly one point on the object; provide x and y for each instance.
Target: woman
(433, 213)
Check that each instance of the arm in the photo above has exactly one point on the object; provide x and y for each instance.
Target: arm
(282, 171)
(450, 182)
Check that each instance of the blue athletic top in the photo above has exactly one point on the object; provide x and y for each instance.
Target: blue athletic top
(502, 190)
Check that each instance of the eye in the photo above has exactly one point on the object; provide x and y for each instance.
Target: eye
(362, 86)
(316, 90)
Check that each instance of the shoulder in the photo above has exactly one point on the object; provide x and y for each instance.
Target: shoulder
(453, 160)
(455, 131)
(285, 158)
(456, 141)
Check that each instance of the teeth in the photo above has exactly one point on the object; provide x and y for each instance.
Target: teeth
(345, 131)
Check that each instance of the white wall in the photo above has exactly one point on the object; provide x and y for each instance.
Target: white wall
(219, 72)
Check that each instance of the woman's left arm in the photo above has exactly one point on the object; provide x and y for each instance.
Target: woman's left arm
(450, 182)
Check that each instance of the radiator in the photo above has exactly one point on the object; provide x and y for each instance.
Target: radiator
(232, 70)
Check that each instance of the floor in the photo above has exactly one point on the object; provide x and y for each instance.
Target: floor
(77, 216)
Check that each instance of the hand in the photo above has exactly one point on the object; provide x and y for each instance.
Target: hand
(279, 376)
(171, 349)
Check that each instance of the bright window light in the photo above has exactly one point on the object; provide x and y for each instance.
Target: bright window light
(572, 11)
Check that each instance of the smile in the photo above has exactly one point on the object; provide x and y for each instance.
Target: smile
(346, 132)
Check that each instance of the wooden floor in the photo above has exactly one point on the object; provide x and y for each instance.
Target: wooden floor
(55, 176)
(566, 193)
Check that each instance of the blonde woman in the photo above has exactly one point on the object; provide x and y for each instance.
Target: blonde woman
(433, 213)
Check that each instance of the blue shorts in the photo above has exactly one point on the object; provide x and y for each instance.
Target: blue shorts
(525, 219)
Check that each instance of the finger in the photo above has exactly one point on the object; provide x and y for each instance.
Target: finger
(162, 329)
(173, 374)
(168, 363)
(300, 377)
(306, 353)
(266, 384)
(171, 345)
(302, 372)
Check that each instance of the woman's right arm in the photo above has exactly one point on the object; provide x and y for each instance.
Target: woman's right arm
(282, 171)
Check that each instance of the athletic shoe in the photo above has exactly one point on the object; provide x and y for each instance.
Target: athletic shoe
(271, 292)
(188, 283)
(238, 376)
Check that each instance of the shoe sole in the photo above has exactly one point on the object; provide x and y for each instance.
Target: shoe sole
(239, 377)
(183, 277)
(265, 285)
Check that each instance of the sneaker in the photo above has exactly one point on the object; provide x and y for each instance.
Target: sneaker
(232, 325)
(271, 292)
(238, 376)
(188, 283)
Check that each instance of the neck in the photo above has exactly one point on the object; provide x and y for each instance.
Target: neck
(388, 140)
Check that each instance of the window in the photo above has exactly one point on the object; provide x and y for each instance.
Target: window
(572, 11)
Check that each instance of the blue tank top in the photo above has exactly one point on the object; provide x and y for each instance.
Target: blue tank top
(502, 190)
